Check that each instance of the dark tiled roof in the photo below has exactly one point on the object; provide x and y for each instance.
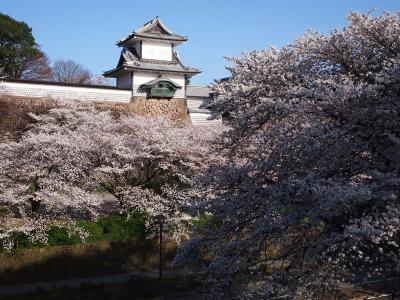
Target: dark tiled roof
(199, 110)
(155, 29)
(198, 91)
(130, 60)
(161, 78)
(160, 36)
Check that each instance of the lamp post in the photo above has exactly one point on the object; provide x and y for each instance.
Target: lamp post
(160, 220)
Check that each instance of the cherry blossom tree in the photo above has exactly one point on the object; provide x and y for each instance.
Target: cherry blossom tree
(59, 170)
(309, 192)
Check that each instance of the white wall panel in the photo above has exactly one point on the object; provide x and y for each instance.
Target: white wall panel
(157, 51)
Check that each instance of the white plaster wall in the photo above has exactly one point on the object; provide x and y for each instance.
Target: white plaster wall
(195, 103)
(142, 77)
(158, 51)
(179, 79)
(125, 81)
(21, 89)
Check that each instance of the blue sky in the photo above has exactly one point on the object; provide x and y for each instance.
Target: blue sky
(86, 30)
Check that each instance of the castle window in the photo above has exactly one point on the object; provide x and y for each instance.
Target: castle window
(163, 89)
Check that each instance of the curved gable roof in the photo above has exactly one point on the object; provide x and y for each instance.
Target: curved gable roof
(155, 29)
(155, 25)
(161, 79)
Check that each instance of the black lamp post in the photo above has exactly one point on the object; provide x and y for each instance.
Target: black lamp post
(160, 220)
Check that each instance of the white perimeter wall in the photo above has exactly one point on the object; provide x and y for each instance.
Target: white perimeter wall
(158, 51)
(30, 90)
(198, 114)
(203, 119)
(196, 102)
(142, 77)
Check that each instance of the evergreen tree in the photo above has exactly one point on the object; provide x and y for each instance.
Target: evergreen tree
(20, 56)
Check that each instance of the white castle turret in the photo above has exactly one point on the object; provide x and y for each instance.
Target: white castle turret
(149, 65)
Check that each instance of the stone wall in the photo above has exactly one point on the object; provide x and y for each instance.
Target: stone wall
(14, 111)
(175, 109)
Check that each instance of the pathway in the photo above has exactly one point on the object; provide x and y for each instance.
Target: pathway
(76, 282)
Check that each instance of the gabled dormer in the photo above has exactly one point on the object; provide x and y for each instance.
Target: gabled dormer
(153, 41)
(154, 30)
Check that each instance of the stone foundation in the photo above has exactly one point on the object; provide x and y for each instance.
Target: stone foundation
(14, 111)
(175, 109)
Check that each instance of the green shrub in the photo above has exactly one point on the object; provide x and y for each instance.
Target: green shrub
(110, 228)
(115, 228)
(94, 230)
(59, 236)
(21, 241)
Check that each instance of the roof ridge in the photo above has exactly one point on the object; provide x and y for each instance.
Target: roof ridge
(149, 25)
(152, 20)
(146, 32)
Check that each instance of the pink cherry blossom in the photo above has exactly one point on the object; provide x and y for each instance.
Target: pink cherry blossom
(308, 194)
